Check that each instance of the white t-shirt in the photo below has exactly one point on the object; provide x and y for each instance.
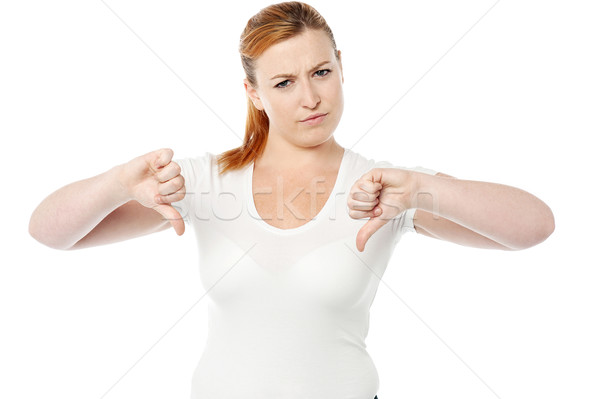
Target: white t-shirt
(288, 309)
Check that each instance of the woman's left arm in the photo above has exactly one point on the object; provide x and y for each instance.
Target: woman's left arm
(479, 214)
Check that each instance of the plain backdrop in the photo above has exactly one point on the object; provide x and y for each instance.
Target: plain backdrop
(498, 91)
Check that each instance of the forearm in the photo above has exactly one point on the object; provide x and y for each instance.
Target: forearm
(504, 214)
(71, 212)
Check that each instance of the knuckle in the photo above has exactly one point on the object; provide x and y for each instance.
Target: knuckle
(176, 168)
(174, 186)
(178, 183)
(178, 196)
(357, 214)
(165, 188)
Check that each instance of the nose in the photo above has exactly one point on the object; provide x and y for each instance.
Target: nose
(310, 96)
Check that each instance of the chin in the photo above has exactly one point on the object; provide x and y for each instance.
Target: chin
(316, 139)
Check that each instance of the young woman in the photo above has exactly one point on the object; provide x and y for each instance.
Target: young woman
(294, 231)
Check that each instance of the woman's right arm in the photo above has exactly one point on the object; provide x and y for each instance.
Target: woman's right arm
(127, 201)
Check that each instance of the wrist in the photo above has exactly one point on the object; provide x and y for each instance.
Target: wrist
(405, 186)
(120, 184)
(424, 192)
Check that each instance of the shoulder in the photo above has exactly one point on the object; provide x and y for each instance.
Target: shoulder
(359, 164)
(205, 160)
(193, 168)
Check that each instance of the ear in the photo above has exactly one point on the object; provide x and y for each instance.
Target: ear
(340, 63)
(253, 95)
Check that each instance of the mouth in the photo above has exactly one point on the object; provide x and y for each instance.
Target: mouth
(315, 118)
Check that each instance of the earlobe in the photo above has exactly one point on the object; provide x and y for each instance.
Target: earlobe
(257, 103)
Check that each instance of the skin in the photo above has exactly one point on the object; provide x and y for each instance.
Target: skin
(134, 198)
(291, 144)
(477, 214)
(126, 201)
(470, 213)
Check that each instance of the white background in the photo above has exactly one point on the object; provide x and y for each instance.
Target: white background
(511, 99)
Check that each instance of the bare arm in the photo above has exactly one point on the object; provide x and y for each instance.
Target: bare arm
(127, 201)
(435, 226)
(481, 214)
(473, 213)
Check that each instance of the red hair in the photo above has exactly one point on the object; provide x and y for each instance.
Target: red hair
(269, 26)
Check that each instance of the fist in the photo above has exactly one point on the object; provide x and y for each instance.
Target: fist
(155, 181)
(380, 194)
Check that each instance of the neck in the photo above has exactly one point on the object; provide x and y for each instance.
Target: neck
(285, 156)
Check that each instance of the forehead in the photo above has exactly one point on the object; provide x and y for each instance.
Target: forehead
(295, 54)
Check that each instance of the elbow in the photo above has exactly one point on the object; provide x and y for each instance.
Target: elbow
(51, 244)
(36, 231)
(545, 227)
(549, 225)
(540, 231)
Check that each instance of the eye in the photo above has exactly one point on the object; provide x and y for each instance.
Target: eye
(281, 86)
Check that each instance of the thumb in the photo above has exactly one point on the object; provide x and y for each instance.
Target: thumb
(368, 229)
(173, 216)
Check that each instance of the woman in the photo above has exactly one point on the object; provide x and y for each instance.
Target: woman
(287, 256)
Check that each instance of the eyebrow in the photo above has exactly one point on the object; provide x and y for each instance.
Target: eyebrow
(289, 75)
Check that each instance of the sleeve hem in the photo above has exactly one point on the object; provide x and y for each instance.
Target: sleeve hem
(408, 220)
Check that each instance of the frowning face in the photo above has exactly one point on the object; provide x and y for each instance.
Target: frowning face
(298, 78)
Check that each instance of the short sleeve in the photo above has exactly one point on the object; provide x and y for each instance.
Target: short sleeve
(193, 171)
(420, 169)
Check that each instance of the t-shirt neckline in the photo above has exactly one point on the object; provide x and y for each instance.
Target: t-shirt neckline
(320, 215)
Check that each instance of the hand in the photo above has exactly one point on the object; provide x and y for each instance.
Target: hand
(155, 181)
(380, 194)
